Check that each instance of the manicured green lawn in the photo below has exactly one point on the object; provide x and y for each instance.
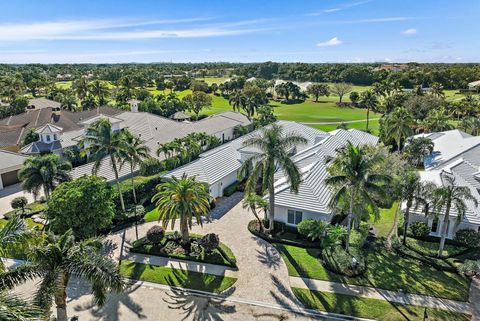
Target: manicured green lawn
(385, 270)
(371, 308)
(431, 248)
(374, 126)
(384, 224)
(176, 277)
(152, 215)
(211, 80)
(30, 223)
(34, 207)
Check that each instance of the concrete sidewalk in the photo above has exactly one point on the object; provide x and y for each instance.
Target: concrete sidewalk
(182, 264)
(379, 294)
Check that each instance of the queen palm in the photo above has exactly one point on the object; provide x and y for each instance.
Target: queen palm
(353, 178)
(100, 91)
(56, 260)
(413, 192)
(398, 125)
(100, 142)
(43, 172)
(437, 120)
(133, 153)
(80, 87)
(183, 199)
(237, 100)
(68, 101)
(369, 101)
(446, 196)
(274, 147)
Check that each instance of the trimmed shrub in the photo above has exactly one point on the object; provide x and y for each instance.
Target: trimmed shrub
(419, 229)
(230, 189)
(145, 188)
(209, 242)
(151, 166)
(468, 237)
(155, 234)
(339, 261)
(359, 237)
(470, 268)
(312, 229)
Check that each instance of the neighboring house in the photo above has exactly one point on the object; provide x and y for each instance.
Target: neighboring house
(457, 154)
(474, 84)
(179, 116)
(219, 168)
(10, 163)
(41, 103)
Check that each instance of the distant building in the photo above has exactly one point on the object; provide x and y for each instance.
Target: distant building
(392, 67)
(474, 84)
(179, 116)
(41, 103)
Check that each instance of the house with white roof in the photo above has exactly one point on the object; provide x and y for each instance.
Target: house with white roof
(219, 168)
(10, 164)
(456, 154)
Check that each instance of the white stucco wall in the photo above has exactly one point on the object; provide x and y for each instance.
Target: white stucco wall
(216, 189)
(453, 226)
(281, 215)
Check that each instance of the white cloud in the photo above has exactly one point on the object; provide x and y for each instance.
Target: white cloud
(340, 7)
(329, 43)
(409, 32)
(122, 29)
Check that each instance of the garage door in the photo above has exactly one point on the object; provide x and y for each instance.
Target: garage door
(10, 178)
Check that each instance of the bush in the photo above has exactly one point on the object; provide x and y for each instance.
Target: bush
(155, 234)
(359, 237)
(419, 229)
(151, 166)
(19, 203)
(339, 261)
(209, 242)
(470, 268)
(145, 188)
(468, 237)
(230, 189)
(312, 229)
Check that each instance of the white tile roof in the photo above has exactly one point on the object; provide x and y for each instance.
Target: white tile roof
(455, 153)
(48, 129)
(10, 160)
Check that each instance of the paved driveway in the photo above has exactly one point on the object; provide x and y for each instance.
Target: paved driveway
(8, 194)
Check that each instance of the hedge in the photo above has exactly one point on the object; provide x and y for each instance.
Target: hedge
(230, 189)
(145, 188)
(253, 228)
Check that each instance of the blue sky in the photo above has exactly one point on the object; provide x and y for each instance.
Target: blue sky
(76, 31)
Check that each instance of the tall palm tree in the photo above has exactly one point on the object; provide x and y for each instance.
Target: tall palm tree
(255, 202)
(56, 260)
(412, 191)
(68, 101)
(100, 91)
(43, 172)
(237, 100)
(446, 196)
(100, 142)
(274, 147)
(134, 152)
(369, 101)
(398, 125)
(127, 87)
(437, 89)
(353, 178)
(14, 235)
(182, 198)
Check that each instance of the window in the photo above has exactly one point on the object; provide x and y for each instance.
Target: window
(47, 138)
(435, 225)
(294, 217)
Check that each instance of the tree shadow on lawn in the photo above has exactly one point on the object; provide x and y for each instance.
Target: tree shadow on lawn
(198, 306)
(110, 311)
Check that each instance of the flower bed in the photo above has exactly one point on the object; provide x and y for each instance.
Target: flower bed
(171, 247)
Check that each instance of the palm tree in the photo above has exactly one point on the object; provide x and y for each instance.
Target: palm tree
(437, 89)
(369, 101)
(182, 198)
(437, 120)
(99, 90)
(237, 100)
(80, 87)
(471, 124)
(56, 260)
(43, 172)
(68, 101)
(353, 178)
(99, 142)
(417, 148)
(398, 125)
(127, 87)
(446, 196)
(412, 191)
(14, 235)
(134, 152)
(274, 147)
(165, 149)
(254, 202)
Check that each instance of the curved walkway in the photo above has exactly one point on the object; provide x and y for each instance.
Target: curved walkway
(262, 275)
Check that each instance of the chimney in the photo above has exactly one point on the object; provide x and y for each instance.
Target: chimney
(134, 105)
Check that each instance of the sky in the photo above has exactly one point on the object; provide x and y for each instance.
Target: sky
(107, 31)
